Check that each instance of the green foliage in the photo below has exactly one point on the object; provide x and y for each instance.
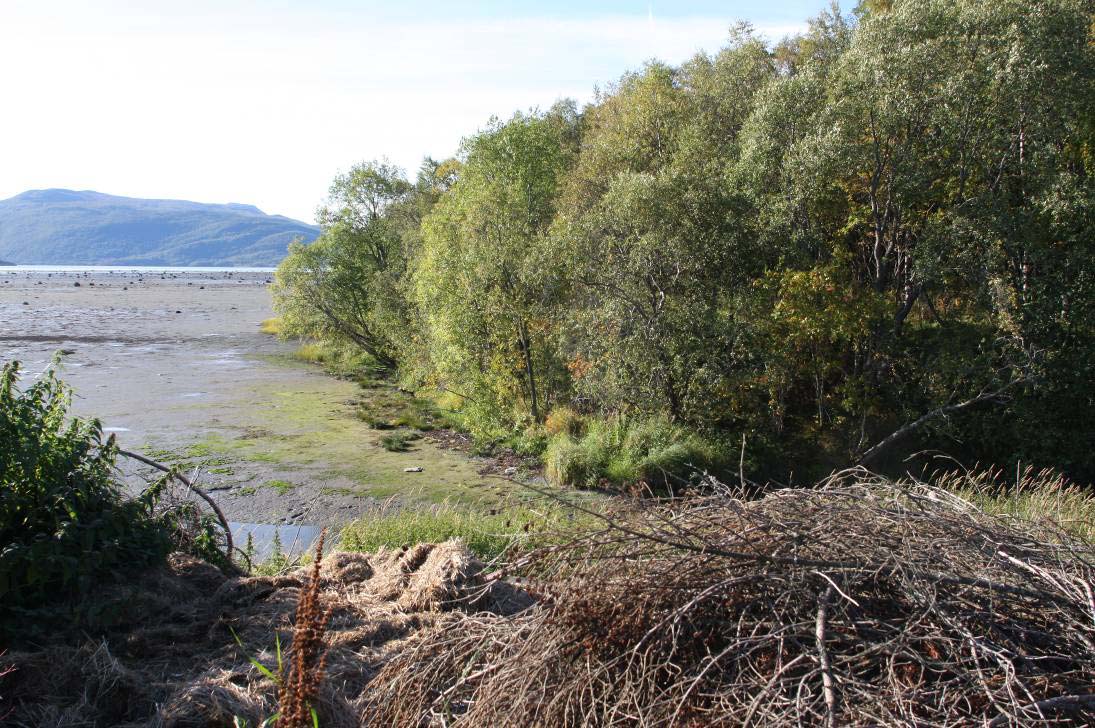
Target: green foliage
(277, 562)
(345, 286)
(399, 441)
(874, 238)
(484, 279)
(65, 525)
(649, 454)
(489, 534)
(340, 359)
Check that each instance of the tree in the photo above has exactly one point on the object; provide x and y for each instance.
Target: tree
(928, 152)
(346, 285)
(484, 279)
(656, 236)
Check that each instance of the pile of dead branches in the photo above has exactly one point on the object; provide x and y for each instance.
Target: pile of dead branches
(863, 602)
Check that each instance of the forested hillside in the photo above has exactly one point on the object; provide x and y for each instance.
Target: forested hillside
(66, 227)
(867, 241)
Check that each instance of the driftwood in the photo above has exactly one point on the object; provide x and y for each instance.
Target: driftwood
(229, 546)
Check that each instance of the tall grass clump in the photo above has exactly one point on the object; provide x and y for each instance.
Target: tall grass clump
(271, 326)
(1039, 496)
(399, 441)
(65, 524)
(646, 454)
(489, 534)
(339, 360)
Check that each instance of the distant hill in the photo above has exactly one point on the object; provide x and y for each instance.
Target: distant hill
(64, 227)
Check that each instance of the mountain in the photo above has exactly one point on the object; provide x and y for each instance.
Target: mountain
(65, 227)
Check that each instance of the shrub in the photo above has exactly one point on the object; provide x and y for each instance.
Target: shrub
(64, 522)
(530, 442)
(564, 420)
(650, 453)
(399, 441)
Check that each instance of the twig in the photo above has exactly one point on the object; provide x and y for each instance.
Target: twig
(229, 547)
(888, 569)
(741, 464)
(997, 397)
(1057, 703)
(823, 656)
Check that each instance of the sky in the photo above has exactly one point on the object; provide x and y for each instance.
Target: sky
(264, 102)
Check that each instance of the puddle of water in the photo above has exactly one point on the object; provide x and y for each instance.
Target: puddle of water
(193, 394)
(115, 429)
(295, 540)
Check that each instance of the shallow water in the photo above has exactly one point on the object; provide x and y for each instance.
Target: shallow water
(295, 539)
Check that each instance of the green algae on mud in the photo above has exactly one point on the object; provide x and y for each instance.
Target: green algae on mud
(318, 426)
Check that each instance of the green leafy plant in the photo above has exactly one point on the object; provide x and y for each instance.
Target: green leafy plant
(65, 525)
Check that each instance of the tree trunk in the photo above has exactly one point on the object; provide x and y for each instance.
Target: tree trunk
(526, 350)
(872, 454)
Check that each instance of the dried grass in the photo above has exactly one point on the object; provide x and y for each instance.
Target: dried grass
(171, 660)
(863, 602)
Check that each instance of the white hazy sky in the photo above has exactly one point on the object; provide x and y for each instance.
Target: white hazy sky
(264, 102)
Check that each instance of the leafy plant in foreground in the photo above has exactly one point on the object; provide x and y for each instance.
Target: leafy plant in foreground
(64, 522)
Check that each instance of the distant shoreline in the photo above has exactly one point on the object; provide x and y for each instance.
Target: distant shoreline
(140, 268)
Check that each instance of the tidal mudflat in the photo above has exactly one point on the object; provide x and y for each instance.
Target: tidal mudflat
(174, 363)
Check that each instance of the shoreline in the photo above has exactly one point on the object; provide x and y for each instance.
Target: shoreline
(175, 366)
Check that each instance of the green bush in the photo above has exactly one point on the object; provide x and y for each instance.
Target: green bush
(399, 441)
(530, 442)
(621, 452)
(64, 523)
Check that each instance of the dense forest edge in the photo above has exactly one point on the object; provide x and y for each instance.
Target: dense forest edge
(858, 261)
(864, 242)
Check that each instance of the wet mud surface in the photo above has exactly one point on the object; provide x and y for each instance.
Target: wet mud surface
(174, 365)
